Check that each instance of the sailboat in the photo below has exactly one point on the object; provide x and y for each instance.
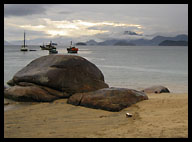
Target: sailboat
(24, 47)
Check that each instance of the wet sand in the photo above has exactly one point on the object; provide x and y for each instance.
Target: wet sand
(162, 116)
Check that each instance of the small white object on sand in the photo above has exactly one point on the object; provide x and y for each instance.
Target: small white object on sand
(128, 114)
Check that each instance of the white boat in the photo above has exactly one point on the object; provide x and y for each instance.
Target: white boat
(24, 47)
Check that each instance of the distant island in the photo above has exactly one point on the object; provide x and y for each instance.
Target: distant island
(81, 43)
(173, 43)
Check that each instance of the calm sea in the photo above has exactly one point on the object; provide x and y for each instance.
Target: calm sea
(134, 67)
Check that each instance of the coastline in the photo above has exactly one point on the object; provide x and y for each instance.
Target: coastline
(162, 116)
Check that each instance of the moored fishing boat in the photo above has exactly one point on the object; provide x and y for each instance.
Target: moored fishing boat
(72, 48)
(49, 46)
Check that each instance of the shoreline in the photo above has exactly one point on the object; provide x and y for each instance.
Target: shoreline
(162, 116)
(13, 105)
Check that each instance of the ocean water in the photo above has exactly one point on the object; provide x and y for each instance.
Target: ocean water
(134, 67)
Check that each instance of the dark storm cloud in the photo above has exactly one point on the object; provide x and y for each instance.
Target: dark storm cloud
(23, 9)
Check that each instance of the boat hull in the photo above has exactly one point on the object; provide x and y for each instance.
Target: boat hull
(47, 48)
(53, 51)
(23, 49)
(72, 50)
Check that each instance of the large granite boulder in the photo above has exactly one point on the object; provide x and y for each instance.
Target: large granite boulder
(156, 89)
(67, 74)
(111, 99)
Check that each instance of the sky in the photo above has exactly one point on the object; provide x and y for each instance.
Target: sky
(83, 22)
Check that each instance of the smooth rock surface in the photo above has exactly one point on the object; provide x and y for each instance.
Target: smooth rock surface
(33, 93)
(156, 89)
(68, 73)
(111, 99)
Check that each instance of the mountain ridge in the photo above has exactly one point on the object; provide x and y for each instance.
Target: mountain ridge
(173, 43)
(155, 41)
(141, 42)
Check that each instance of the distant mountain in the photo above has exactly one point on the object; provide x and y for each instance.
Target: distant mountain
(139, 42)
(173, 43)
(130, 33)
(40, 41)
(158, 39)
(18, 42)
(124, 43)
(181, 37)
(109, 42)
(7, 43)
(81, 43)
(91, 42)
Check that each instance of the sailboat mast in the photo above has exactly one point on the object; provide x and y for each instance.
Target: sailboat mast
(24, 38)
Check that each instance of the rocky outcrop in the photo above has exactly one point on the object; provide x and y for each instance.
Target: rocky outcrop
(30, 93)
(111, 99)
(55, 74)
(156, 89)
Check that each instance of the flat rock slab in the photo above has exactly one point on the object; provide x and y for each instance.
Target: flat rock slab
(110, 99)
(33, 93)
(156, 89)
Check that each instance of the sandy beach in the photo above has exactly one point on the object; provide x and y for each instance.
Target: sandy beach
(162, 116)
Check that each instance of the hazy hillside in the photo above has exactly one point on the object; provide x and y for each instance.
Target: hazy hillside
(158, 39)
(6, 43)
(173, 43)
(138, 42)
(124, 43)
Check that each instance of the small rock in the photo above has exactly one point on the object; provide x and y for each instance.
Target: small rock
(156, 89)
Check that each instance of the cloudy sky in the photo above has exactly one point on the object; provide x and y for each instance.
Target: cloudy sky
(94, 21)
